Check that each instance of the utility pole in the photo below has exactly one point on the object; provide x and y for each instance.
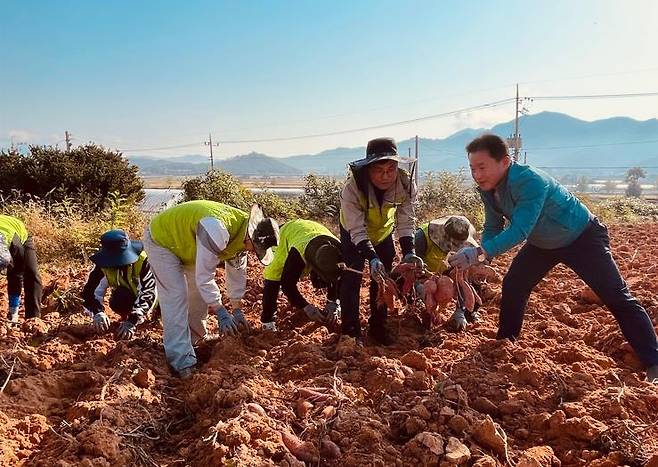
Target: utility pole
(514, 141)
(210, 144)
(417, 165)
(67, 138)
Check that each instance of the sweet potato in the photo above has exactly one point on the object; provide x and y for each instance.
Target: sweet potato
(302, 450)
(386, 293)
(445, 290)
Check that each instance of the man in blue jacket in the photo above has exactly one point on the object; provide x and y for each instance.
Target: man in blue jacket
(557, 228)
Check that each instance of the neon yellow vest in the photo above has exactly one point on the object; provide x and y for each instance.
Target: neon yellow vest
(131, 279)
(293, 234)
(380, 220)
(10, 226)
(175, 228)
(434, 256)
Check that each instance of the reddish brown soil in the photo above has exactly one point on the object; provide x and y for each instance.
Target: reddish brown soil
(571, 391)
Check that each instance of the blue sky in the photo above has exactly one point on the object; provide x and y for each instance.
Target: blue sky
(134, 75)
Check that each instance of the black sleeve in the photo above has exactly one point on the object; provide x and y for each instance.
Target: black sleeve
(270, 296)
(420, 243)
(89, 300)
(407, 245)
(292, 272)
(367, 250)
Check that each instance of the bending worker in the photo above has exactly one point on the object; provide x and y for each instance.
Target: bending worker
(185, 244)
(377, 199)
(522, 203)
(437, 238)
(121, 265)
(304, 247)
(19, 260)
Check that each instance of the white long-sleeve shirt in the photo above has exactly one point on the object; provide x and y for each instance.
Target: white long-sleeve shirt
(212, 237)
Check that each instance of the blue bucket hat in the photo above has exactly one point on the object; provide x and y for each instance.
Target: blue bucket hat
(116, 250)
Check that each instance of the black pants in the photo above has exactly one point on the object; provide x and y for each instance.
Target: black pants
(292, 272)
(350, 284)
(590, 257)
(24, 274)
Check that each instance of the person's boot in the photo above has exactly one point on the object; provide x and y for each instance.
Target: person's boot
(12, 314)
(652, 374)
(380, 334)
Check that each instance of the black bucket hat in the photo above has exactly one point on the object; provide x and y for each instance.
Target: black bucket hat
(323, 255)
(263, 233)
(116, 250)
(379, 149)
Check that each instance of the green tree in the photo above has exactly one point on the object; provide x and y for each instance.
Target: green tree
(633, 176)
(321, 197)
(85, 175)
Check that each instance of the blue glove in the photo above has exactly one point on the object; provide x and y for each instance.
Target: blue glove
(313, 313)
(467, 256)
(331, 312)
(458, 321)
(227, 324)
(414, 259)
(240, 320)
(126, 330)
(101, 322)
(377, 269)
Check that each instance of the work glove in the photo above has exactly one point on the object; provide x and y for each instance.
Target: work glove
(467, 256)
(314, 313)
(271, 326)
(377, 269)
(457, 321)
(227, 324)
(126, 330)
(472, 316)
(331, 312)
(240, 320)
(414, 259)
(101, 322)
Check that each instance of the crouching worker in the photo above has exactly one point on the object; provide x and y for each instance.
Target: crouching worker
(304, 247)
(434, 240)
(122, 266)
(377, 199)
(524, 203)
(185, 244)
(18, 260)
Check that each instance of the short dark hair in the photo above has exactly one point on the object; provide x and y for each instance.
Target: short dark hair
(488, 142)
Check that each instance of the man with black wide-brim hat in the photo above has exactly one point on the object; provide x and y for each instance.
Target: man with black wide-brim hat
(304, 247)
(377, 199)
(121, 265)
(185, 244)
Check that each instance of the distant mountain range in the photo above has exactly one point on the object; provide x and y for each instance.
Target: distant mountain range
(549, 139)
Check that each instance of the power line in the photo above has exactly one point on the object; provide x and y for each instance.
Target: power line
(594, 96)
(374, 127)
(163, 147)
(592, 145)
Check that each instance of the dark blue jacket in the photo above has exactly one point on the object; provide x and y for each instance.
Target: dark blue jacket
(537, 208)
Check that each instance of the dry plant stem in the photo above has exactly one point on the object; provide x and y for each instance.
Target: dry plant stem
(11, 371)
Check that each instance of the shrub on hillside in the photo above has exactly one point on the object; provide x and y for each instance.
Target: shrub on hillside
(226, 188)
(87, 174)
(63, 232)
(321, 197)
(446, 193)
